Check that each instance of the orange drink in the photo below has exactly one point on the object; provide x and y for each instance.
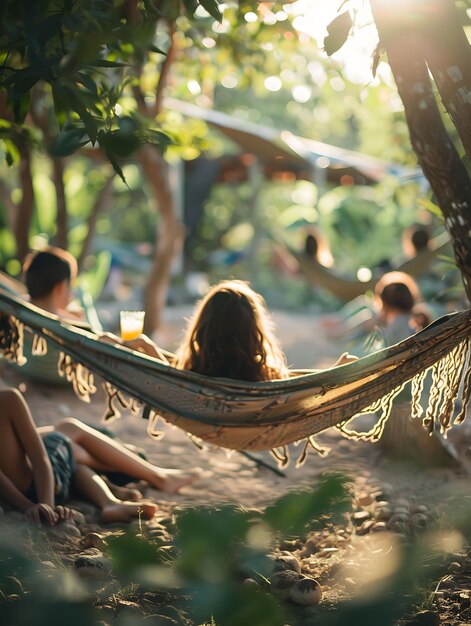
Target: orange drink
(131, 323)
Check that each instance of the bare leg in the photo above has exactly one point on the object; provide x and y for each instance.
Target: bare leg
(95, 450)
(94, 488)
(14, 412)
(123, 493)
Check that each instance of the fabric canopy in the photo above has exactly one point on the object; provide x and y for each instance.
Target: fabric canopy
(281, 149)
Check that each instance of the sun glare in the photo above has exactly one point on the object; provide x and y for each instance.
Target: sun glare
(313, 17)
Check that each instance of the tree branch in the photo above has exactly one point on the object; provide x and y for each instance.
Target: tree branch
(62, 217)
(100, 202)
(25, 208)
(169, 236)
(165, 69)
(8, 203)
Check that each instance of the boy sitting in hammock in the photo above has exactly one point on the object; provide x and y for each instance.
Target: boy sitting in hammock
(398, 300)
(48, 275)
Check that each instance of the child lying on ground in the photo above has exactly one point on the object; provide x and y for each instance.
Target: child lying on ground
(39, 466)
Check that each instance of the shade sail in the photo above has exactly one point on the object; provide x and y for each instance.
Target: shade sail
(280, 150)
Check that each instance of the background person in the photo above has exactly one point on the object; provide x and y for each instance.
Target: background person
(48, 275)
(400, 316)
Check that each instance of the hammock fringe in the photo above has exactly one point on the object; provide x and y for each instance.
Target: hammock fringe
(240, 415)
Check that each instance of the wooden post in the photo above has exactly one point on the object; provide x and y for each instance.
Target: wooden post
(255, 177)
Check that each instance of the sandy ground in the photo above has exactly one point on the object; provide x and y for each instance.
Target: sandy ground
(231, 476)
(234, 477)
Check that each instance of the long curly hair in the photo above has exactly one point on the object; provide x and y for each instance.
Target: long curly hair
(230, 336)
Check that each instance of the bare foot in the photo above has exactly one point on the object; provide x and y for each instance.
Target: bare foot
(171, 480)
(127, 511)
(125, 493)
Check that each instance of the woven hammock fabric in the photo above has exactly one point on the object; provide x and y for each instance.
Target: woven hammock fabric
(258, 416)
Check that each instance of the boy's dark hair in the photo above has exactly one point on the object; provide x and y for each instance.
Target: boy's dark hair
(45, 269)
(397, 296)
(420, 239)
(311, 246)
(398, 290)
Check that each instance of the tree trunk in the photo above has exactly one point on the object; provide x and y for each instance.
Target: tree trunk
(448, 55)
(170, 231)
(100, 202)
(435, 151)
(62, 220)
(10, 207)
(41, 119)
(24, 213)
(168, 237)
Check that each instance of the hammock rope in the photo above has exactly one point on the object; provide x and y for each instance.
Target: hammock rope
(347, 288)
(257, 416)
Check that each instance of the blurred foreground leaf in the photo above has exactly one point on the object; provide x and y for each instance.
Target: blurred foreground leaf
(294, 513)
(236, 605)
(130, 553)
(208, 540)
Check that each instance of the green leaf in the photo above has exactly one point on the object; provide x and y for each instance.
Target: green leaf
(376, 58)
(153, 48)
(49, 27)
(159, 137)
(338, 31)
(190, 6)
(70, 96)
(105, 63)
(430, 206)
(120, 143)
(129, 553)
(68, 141)
(229, 604)
(87, 82)
(21, 108)
(18, 86)
(295, 512)
(115, 165)
(209, 541)
(212, 7)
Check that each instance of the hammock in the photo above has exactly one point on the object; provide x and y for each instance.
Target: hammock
(420, 263)
(345, 289)
(257, 416)
(348, 288)
(12, 285)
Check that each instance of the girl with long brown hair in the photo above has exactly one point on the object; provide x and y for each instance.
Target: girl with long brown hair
(230, 335)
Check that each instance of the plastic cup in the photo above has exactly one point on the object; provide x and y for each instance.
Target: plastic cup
(131, 324)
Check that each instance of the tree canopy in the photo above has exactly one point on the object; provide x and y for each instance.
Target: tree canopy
(89, 77)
